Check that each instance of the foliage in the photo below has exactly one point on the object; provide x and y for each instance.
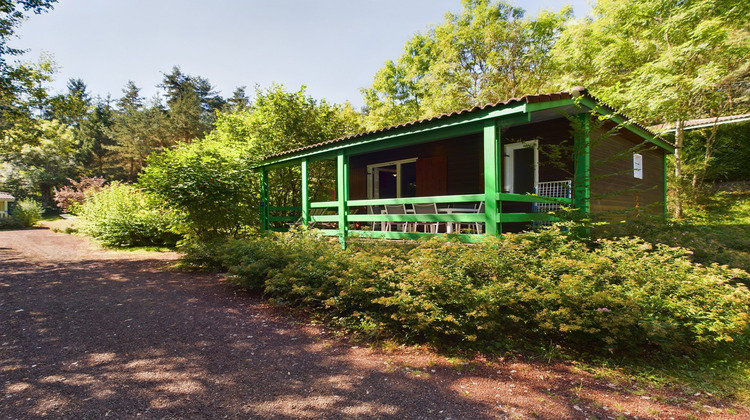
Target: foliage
(279, 121)
(654, 58)
(122, 215)
(622, 295)
(728, 159)
(12, 13)
(95, 142)
(18, 82)
(662, 61)
(70, 197)
(192, 104)
(39, 158)
(27, 212)
(207, 181)
(487, 53)
(717, 230)
(137, 131)
(70, 108)
(9, 223)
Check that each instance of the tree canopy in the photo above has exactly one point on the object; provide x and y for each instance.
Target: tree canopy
(208, 180)
(657, 60)
(487, 53)
(662, 60)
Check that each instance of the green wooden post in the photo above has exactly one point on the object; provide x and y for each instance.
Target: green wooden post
(264, 225)
(664, 181)
(582, 162)
(342, 194)
(305, 195)
(491, 179)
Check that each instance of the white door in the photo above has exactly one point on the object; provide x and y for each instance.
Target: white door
(521, 165)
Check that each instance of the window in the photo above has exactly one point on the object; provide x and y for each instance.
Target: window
(637, 165)
(394, 179)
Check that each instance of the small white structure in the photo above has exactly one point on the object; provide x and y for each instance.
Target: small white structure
(5, 198)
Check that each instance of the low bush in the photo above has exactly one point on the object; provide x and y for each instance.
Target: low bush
(70, 198)
(623, 295)
(727, 244)
(122, 215)
(9, 223)
(27, 212)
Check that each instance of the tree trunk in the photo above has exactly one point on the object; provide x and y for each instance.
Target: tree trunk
(710, 141)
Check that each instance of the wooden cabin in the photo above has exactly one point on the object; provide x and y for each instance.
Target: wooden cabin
(502, 167)
(5, 198)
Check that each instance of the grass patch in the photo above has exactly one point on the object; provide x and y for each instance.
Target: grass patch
(59, 224)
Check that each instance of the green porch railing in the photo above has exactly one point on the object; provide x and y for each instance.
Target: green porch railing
(279, 218)
(331, 217)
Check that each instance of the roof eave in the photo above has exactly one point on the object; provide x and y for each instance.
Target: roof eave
(423, 126)
(506, 109)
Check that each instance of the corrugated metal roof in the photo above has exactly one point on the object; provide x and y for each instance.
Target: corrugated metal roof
(529, 99)
(6, 197)
(701, 122)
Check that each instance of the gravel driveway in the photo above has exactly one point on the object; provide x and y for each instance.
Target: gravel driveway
(90, 333)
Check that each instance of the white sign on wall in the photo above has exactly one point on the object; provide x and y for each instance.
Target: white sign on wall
(638, 165)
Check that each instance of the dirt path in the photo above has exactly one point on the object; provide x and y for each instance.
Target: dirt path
(89, 333)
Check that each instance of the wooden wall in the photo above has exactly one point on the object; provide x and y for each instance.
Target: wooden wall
(463, 164)
(614, 189)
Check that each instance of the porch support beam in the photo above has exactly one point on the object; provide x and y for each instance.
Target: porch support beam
(305, 195)
(264, 200)
(342, 194)
(491, 146)
(664, 182)
(582, 163)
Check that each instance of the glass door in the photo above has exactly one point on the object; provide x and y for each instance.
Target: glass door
(521, 167)
(392, 179)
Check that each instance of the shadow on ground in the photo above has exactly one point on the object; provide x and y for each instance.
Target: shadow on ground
(121, 338)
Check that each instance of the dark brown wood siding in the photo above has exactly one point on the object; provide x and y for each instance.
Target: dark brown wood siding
(357, 183)
(614, 188)
(463, 163)
(432, 175)
(555, 147)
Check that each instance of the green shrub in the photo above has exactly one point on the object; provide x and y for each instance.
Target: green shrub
(250, 262)
(27, 212)
(9, 223)
(209, 183)
(720, 243)
(122, 215)
(623, 294)
(206, 255)
(544, 287)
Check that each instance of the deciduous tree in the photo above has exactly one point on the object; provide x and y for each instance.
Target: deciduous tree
(488, 52)
(664, 61)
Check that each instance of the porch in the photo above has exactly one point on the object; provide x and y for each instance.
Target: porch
(464, 216)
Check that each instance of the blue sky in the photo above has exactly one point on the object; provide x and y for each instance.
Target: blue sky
(334, 47)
